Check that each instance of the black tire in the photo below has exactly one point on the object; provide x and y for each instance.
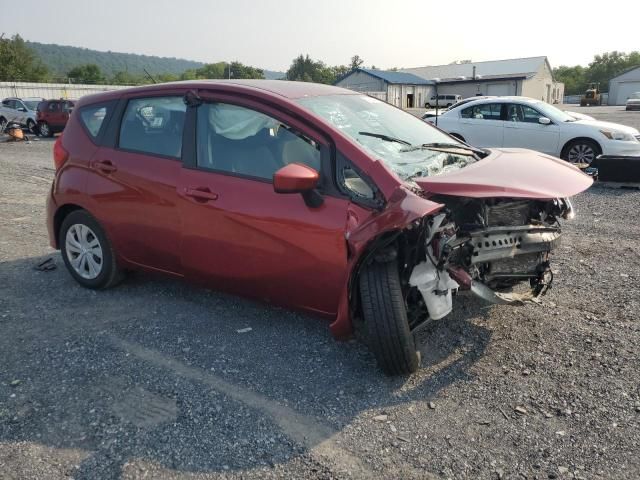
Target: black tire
(109, 274)
(580, 144)
(32, 127)
(3, 124)
(45, 129)
(385, 318)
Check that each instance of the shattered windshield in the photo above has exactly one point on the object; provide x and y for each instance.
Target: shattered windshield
(402, 141)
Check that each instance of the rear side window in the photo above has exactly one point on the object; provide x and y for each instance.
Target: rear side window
(486, 111)
(92, 117)
(154, 125)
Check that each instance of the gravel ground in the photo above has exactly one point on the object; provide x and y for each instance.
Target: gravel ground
(153, 380)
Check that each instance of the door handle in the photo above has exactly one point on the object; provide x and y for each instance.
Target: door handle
(105, 166)
(200, 193)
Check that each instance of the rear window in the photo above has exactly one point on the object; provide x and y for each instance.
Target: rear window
(92, 117)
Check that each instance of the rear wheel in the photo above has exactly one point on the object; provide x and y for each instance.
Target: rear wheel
(581, 150)
(45, 129)
(385, 317)
(87, 252)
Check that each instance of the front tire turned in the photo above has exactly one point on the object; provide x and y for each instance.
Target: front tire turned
(87, 252)
(385, 318)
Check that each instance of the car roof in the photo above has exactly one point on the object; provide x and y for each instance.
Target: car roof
(281, 88)
(507, 99)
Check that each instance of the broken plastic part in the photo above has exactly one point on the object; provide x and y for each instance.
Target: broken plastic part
(435, 287)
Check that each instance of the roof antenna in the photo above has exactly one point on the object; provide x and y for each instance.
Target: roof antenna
(149, 75)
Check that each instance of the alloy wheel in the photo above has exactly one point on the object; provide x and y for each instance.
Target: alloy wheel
(44, 129)
(84, 251)
(581, 153)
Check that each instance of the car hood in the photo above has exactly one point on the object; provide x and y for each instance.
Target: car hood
(513, 173)
(633, 100)
(605, 126)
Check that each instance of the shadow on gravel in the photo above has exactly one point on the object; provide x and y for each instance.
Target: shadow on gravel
(159, 371)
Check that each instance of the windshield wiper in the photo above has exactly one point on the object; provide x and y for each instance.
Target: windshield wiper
(386, 138)
(444, 145)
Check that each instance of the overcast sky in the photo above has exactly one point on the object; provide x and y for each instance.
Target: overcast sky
(385, 33)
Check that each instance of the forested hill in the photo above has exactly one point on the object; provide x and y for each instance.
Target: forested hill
(59, 59)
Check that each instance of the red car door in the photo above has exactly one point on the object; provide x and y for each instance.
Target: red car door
(133, 185)
(241, 236)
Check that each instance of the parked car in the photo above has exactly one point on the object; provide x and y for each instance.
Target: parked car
(308, 196)
(52, 116)
(22, 111)
(633, 102)
(528, 123)
(442, 100)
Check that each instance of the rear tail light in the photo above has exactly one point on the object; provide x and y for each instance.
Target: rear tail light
(60, 155)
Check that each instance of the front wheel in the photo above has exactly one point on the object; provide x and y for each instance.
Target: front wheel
(581, 150)
(385, 318)
(87, 252)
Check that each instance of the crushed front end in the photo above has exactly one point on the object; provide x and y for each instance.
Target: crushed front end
(489, 246)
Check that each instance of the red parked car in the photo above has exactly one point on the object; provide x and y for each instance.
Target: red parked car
(52, 116)
(308, 196)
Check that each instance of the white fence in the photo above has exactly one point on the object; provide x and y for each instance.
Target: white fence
(71, 91)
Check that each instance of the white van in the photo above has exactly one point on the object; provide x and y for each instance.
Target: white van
(442, 100)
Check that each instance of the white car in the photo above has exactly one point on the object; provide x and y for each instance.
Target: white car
(527, 123)
(442, 100)
(20, 110)
(633, 102)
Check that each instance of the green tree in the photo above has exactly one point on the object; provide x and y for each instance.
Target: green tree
(211, 70)
(19, 63)
(89, 73)
(610, 64)
(356, 62)
(240, 71)
(602, 69)
(574, 79)
(305, 69)
(125, 78)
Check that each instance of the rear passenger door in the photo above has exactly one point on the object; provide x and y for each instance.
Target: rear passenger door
(241, 236)
(482, 125)
(133, 180)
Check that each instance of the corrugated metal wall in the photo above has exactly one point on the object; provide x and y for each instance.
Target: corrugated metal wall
(52, 90)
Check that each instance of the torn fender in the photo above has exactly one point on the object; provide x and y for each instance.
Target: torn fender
(403, 208)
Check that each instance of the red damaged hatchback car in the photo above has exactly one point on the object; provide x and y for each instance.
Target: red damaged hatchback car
(307, 196)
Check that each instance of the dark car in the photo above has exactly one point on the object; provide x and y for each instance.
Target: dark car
(52, 116)
(308, 196)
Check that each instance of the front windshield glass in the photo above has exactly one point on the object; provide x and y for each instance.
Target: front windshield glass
(553, 113)
(31, 104)
(387, 132)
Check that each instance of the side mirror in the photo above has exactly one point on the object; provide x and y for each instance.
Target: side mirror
(544, 121)
(298, 178)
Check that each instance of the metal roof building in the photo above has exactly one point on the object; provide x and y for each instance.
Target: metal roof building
(411, 87)
(624, 85)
